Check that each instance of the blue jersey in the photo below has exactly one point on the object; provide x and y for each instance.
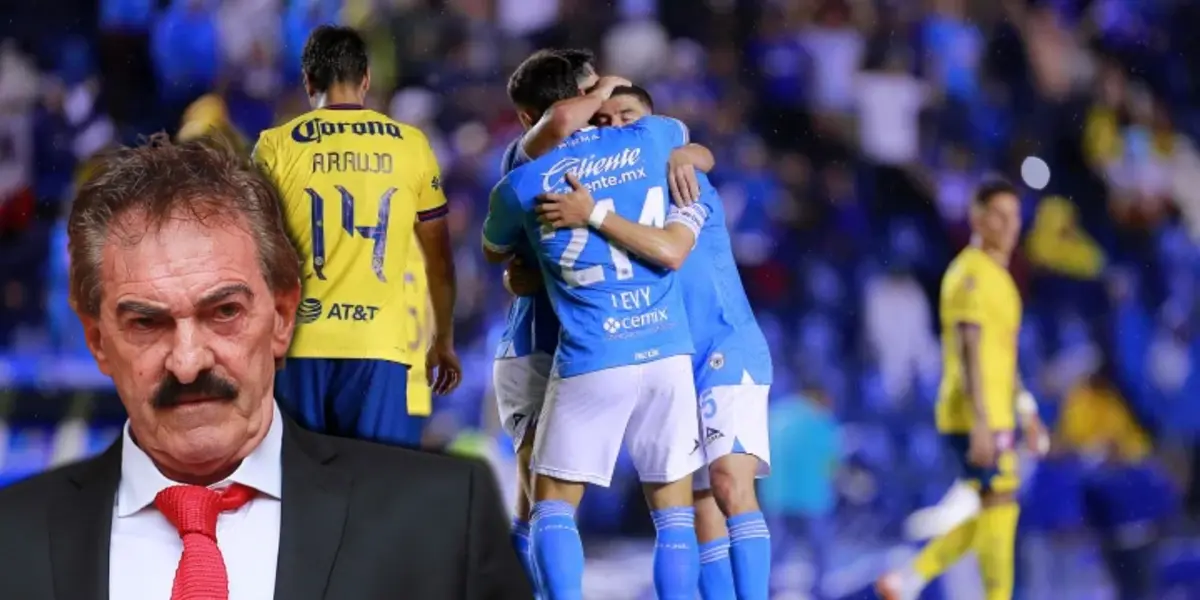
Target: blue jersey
(531, 326)
(614, 309)
(729, 344)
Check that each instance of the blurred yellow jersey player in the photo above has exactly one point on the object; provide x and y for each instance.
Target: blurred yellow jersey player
(356, 185)
(976, 408)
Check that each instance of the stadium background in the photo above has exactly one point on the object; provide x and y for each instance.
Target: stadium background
(848, 136)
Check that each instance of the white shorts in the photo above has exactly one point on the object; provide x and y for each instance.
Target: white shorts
(734, 418)
(520, 386)
(651, 407)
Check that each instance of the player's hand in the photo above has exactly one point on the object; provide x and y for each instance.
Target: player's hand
(605, 85)
(442, 367)
(522, 279)
(1034, 432)
(982, 450)
(681, 176)
(564, 211)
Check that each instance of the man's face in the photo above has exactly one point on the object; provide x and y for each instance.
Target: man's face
(619, 111)
(999, 222)
(190, 333)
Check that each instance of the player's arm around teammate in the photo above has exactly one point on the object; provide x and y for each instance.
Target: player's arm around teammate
(667, 247)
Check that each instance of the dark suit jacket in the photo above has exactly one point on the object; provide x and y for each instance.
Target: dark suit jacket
(359, 521)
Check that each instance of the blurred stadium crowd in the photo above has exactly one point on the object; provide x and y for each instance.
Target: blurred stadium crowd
(849, 135)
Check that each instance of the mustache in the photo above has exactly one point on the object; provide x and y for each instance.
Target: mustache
(207, 384)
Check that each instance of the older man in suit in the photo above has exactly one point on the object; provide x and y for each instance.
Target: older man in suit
(188, 287)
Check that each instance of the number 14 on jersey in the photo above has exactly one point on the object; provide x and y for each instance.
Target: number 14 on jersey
(376, 233)
(654, 211)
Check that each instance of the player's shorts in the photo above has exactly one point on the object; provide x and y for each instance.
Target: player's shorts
(651, 407)
(364, 399)
(520, 386)
(1001, 478)
(734, 421)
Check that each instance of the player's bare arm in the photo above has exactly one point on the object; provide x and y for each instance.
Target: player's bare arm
(667, 247)
(565, 117)
(681, 172)
(982, 444)
(434, 237)
(1033, 431)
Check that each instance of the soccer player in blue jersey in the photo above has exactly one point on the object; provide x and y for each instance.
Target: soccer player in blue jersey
(524, 356)
(732, 364)
(622, 370)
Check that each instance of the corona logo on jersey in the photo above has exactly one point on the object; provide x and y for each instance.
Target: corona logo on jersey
(317, 129)
(594, 172)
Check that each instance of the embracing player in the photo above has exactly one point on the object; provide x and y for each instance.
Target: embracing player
(355, 186)
(980, 402)
(622, 370)
(732, 363)
(524, 356)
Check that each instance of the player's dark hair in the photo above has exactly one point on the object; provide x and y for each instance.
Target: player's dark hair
(991, 188)
(333, 55)
(548, 76)
(135, 190)
(636, 91)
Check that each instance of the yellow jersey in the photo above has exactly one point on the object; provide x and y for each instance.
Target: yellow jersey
(979, 291)
(353, 182)
(418, 332)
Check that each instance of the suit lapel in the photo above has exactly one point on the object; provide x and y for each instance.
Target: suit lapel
(314, 508)
(80, 528)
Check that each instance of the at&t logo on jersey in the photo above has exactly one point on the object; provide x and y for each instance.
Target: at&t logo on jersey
(311, 310)
(315, 130)
(594, 172)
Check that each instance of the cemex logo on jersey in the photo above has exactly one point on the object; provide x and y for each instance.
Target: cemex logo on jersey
(593, 172)
(710, 435)
(315, 130)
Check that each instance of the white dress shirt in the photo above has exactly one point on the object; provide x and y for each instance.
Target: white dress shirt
(145, 547)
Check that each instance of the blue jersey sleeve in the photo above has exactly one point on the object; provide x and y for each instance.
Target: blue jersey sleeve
(671, 133)
(502, 227)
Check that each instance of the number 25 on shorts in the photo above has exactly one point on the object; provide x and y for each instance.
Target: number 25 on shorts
(377, 233)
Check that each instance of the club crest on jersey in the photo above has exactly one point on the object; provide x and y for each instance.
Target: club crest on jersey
(716, 361)
(589, 167)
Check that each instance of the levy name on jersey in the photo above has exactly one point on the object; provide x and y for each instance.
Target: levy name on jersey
(615, 309)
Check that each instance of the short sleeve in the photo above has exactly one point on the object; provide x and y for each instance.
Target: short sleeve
(502, 227)
(431, 198)
(264, 154)
(962, 300)
(671, 133)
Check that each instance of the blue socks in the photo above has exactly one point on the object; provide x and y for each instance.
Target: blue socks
(750, 555)
(521, 543)
(676, 554)
(558, 551)
(716, 574)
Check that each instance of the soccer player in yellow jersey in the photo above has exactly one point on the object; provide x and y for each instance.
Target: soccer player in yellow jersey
(355, 186)
(977, 401)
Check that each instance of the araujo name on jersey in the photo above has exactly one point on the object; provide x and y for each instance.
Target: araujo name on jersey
(594, 172)
(315, 130)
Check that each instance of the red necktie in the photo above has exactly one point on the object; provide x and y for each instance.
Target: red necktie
(193, 510)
